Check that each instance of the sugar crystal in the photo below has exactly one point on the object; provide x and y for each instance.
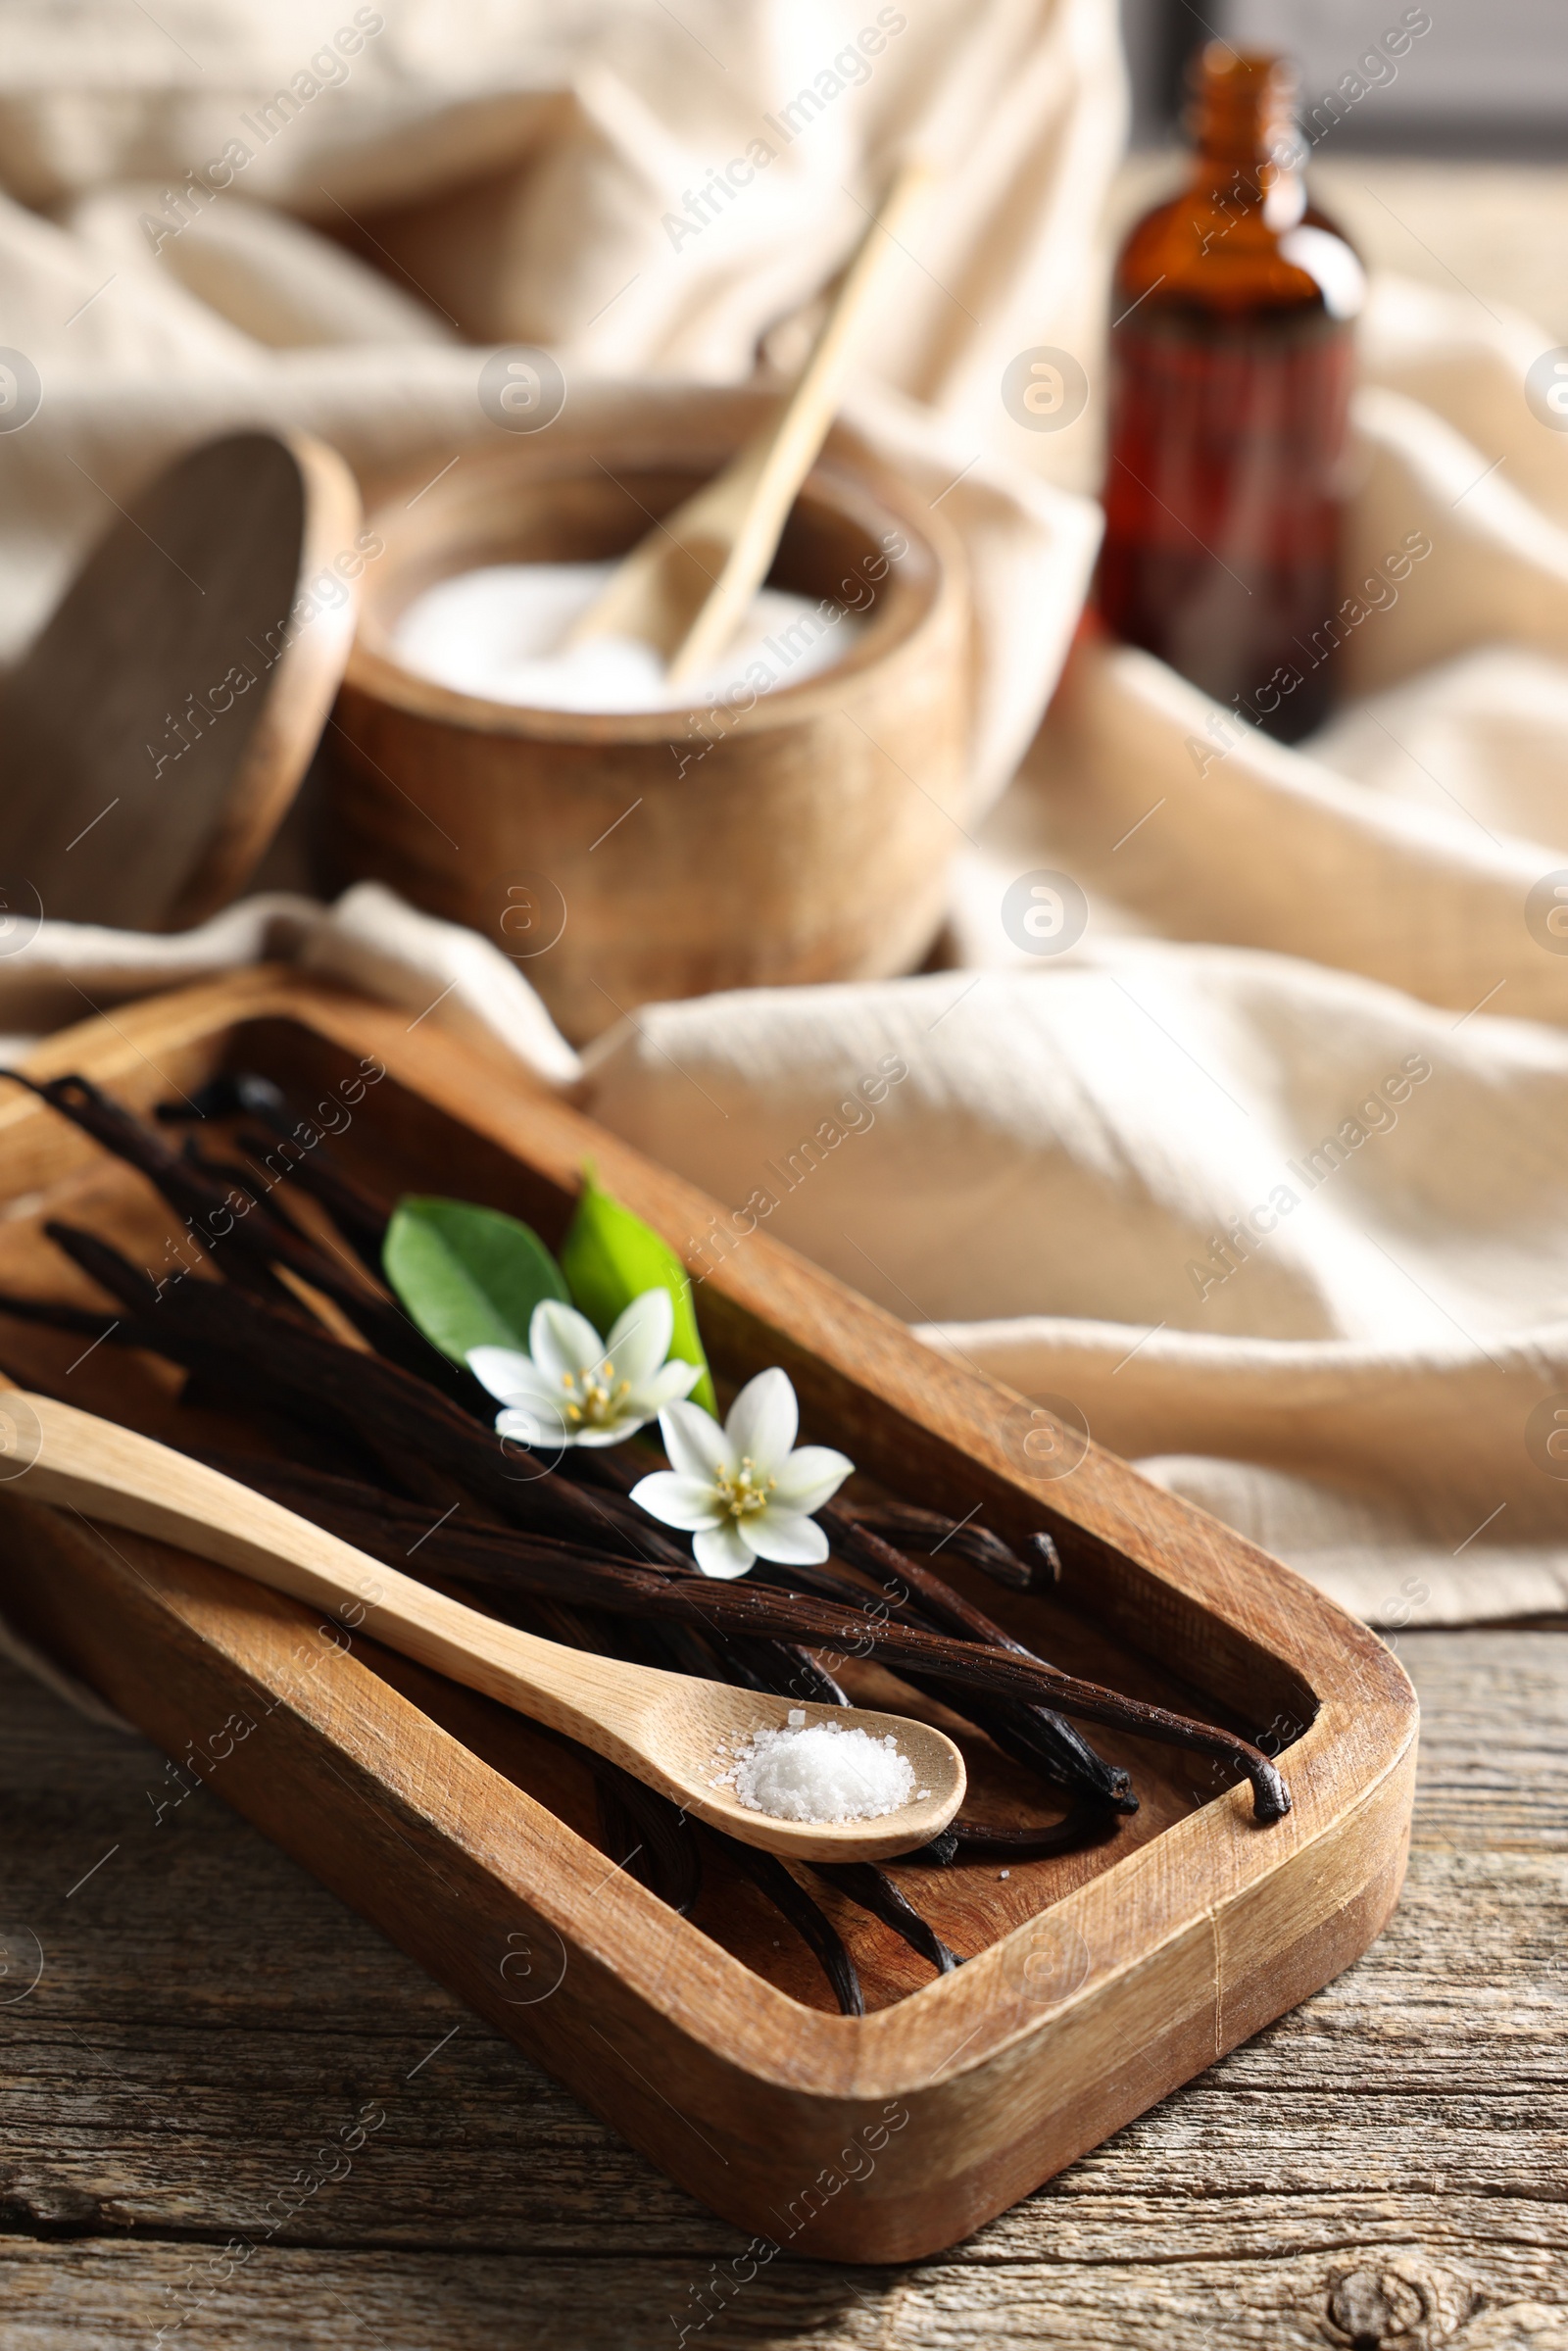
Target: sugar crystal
(821, 1773)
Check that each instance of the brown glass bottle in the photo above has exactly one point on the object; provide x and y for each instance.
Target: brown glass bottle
(1230, 375)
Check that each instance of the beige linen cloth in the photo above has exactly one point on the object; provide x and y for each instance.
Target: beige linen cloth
(1253, 1165)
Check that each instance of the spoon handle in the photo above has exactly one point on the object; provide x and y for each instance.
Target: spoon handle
(752, 499)
(686, 587)
(106, 1472)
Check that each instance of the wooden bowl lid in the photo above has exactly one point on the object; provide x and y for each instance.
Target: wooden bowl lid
(158, 729)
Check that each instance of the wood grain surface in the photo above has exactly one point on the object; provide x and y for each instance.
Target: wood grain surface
(1390, 2157)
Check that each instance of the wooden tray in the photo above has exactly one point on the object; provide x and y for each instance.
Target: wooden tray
(1096, 1982)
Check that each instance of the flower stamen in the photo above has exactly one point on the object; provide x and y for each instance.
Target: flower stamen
(740, 1494)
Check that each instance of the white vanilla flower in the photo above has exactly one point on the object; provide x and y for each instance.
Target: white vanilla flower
(739, 1491)
(575, 1388)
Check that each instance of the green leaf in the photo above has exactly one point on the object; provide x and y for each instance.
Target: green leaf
(610, 1257)
(470, 1277)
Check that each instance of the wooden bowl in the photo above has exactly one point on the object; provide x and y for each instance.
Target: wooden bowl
(625, 858)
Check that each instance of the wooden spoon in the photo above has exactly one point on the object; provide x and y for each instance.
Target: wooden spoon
(664, 1729)
(687, 586)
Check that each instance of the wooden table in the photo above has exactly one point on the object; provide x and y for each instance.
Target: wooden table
(1387, 2166)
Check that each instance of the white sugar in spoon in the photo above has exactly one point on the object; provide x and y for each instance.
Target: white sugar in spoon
(664, 1729)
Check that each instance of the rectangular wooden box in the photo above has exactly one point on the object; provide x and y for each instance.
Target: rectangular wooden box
(1096, 1982)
